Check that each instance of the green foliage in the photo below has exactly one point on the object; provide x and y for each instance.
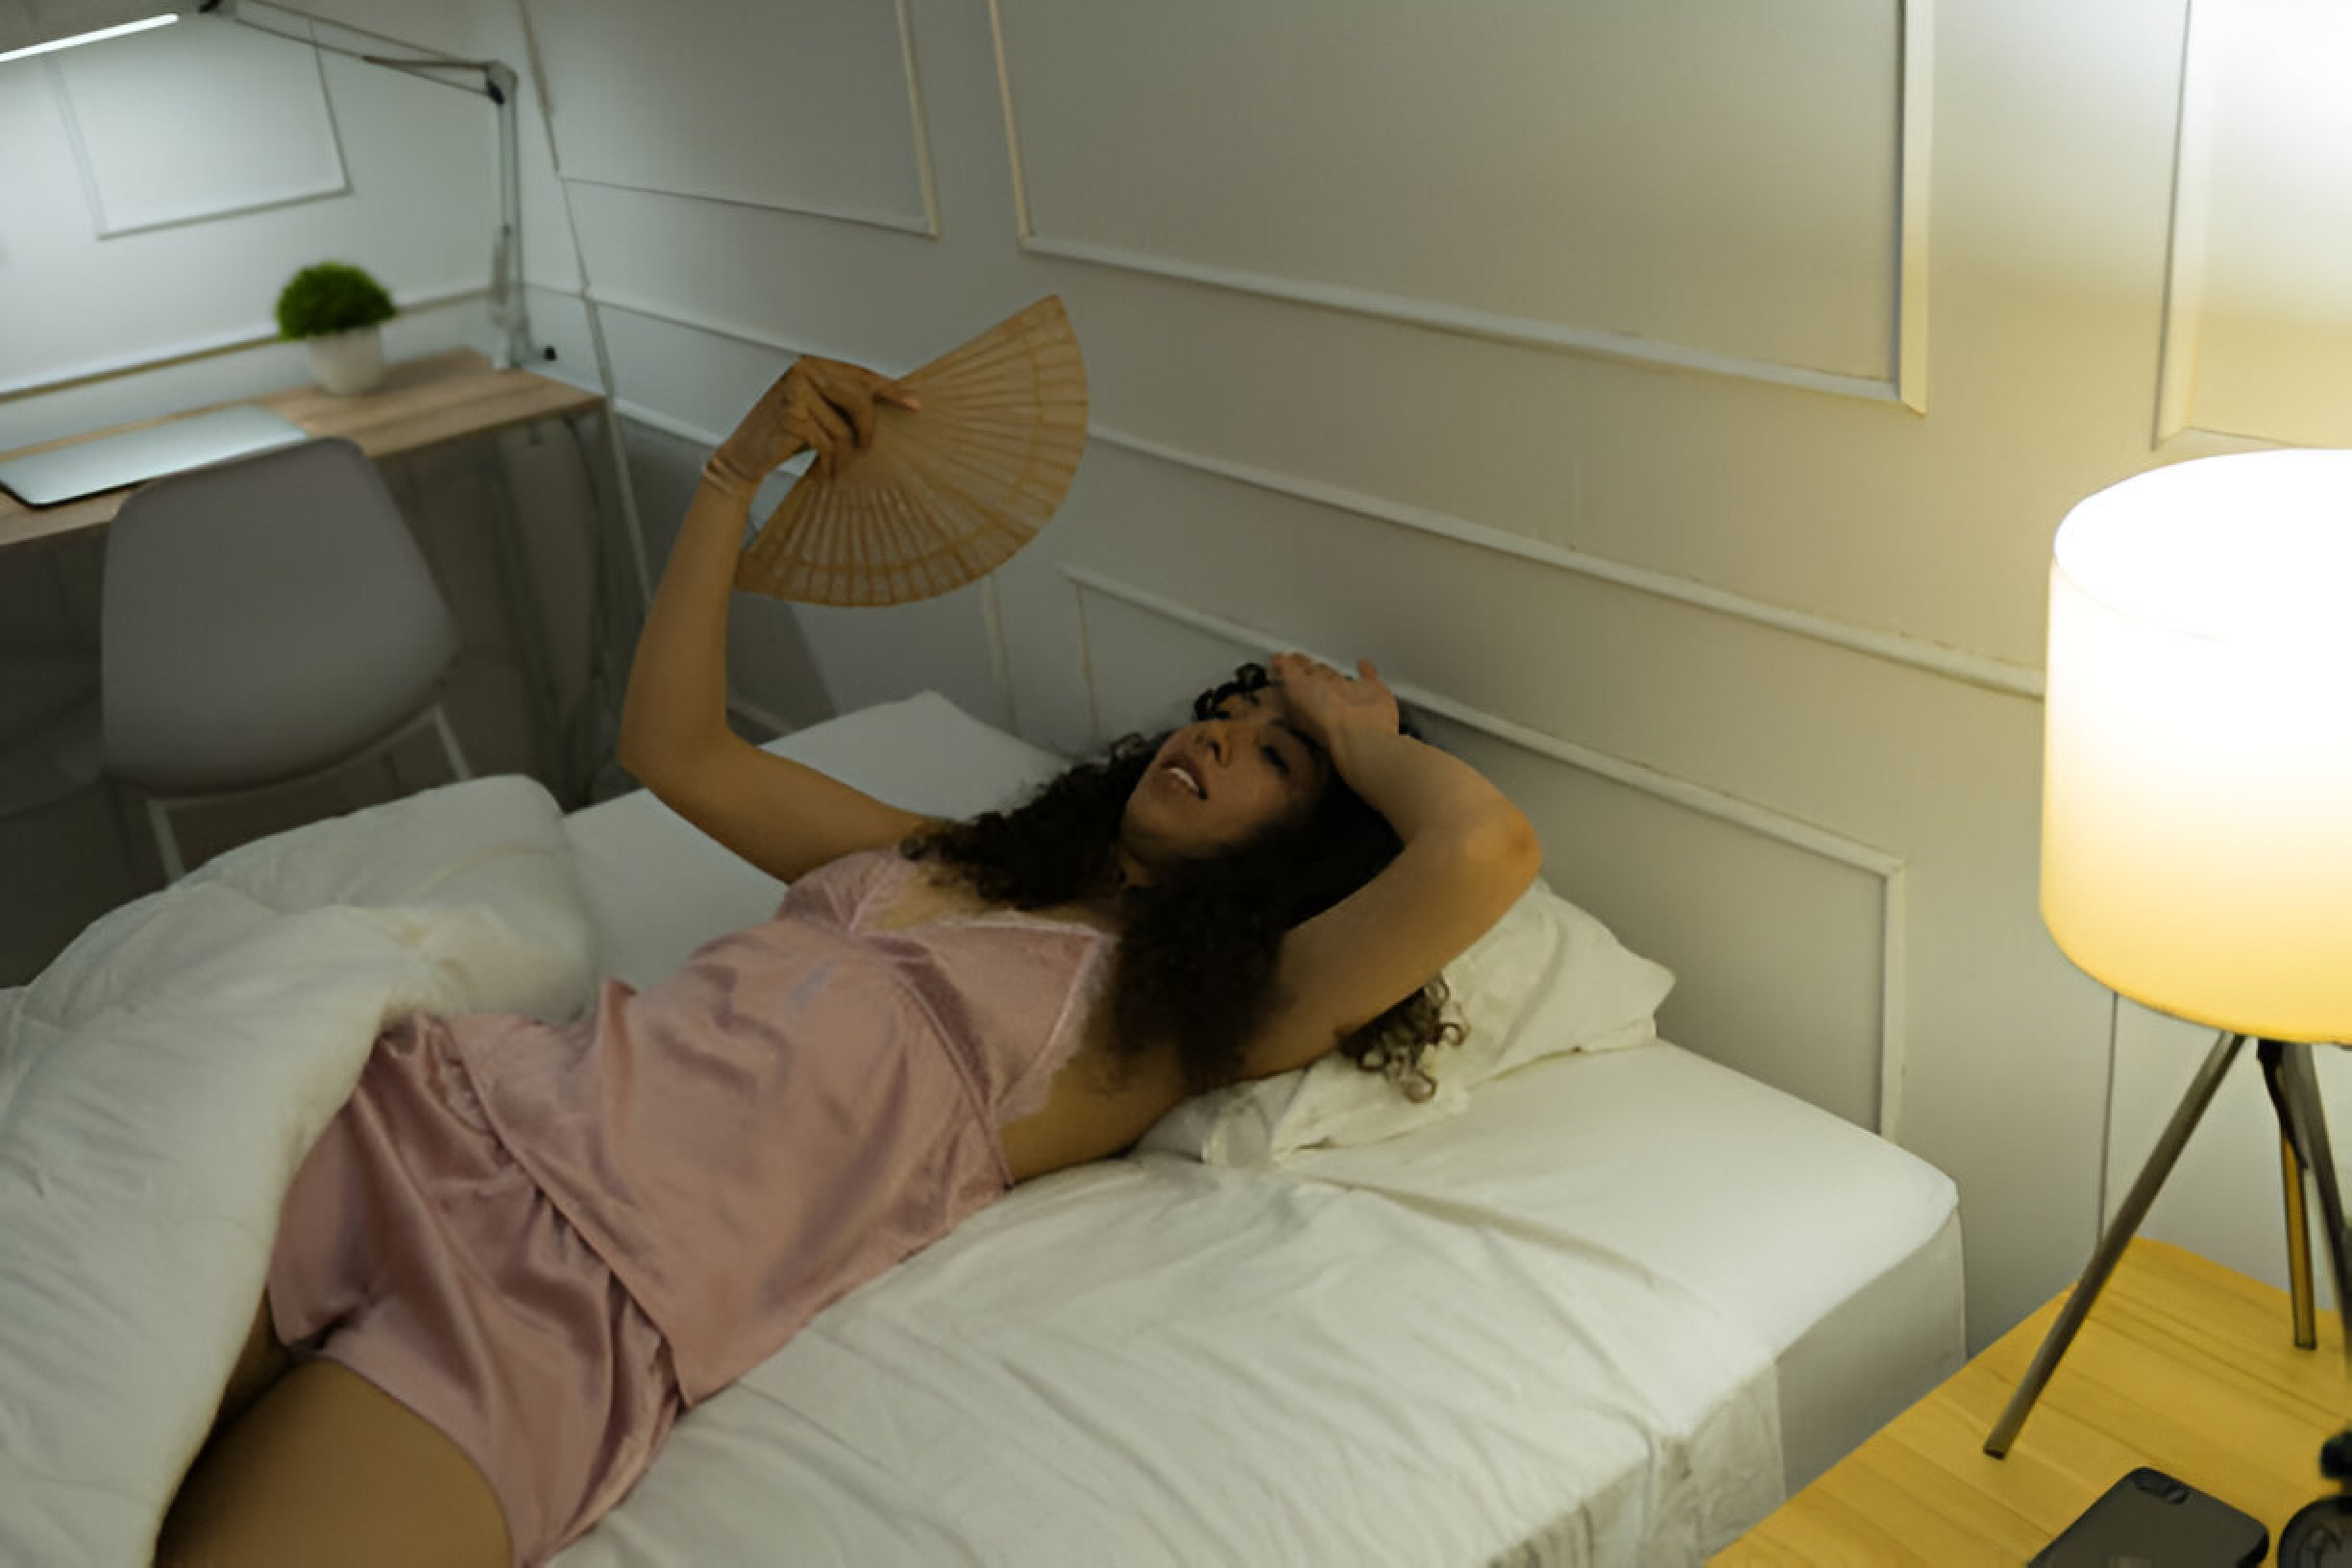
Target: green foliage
(331, 297)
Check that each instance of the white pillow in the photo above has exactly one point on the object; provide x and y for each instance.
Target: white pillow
(1547, 979)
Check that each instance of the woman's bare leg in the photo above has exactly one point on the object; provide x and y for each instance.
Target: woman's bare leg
(261, 1363)
(323, 1466)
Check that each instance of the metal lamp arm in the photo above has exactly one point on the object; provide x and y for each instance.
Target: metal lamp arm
(495, 80)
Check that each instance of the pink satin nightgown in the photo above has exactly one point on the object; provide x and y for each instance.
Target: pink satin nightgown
(544, 1239)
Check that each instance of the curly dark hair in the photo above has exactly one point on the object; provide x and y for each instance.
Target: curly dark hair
(1196, 957)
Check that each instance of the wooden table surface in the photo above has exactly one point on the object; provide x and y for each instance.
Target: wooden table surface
(422, 403)
(2182, 1364)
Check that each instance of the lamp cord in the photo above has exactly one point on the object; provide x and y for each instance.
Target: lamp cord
(614, 447)
(417, 67)
(498, 85)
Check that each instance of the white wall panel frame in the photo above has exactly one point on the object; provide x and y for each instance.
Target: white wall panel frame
(1918, 653)
(1890, 872)
(2258, 356)
(267, 138)
(1904, 379)
(579, 158)
(1917, 109)
(2185, 251)
(188, 350)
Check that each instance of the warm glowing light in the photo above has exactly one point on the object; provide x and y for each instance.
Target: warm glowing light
(142, 25)
(2197, 813)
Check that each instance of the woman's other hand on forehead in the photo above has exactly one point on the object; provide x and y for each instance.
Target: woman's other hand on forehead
(1324, 703)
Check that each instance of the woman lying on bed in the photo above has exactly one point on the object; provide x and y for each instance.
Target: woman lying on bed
(521, 1250)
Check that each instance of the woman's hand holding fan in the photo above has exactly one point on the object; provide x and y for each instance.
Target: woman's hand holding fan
(900, 506)
(821, 404)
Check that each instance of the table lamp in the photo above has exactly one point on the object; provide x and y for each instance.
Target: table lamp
(2197, 815)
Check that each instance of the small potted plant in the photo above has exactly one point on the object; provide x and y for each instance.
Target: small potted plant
(335, 308)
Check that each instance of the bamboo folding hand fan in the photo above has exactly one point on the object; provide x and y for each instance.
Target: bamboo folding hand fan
(941, 495)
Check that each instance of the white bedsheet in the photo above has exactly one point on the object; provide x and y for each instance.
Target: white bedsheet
(159, 1083)
(1156, 1362)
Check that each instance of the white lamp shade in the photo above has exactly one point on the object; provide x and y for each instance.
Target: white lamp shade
(2196, 816)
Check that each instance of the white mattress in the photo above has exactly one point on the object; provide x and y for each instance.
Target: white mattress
(1840, 1252)
(1380, 1354)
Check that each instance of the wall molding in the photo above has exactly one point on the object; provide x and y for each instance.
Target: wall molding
(919, 127)
(1464, 321)
(1904, 382)
(105, 227)
(653, 419)
(211, 346)
(2183, 285)
(1916, 653)
(595, 302)
(925, 226)
(1891, 871)
(2240, 185)
(1915, 24)
(734, 331)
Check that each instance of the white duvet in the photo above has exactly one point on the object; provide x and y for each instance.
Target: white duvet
(158, 1084)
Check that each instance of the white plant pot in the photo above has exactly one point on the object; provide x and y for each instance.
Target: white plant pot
(347, 362)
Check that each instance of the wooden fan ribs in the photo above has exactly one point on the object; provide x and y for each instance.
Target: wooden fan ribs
(945, 496)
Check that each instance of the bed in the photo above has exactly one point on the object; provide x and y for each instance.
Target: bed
(1601, 1301)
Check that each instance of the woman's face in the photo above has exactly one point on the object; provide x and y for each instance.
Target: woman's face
(1219, 782)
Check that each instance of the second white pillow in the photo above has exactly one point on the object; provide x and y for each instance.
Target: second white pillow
(1547, 978)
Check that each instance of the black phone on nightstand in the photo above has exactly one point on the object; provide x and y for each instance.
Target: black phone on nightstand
(2149, 1519)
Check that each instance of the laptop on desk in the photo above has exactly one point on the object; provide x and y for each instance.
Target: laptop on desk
(109, 463)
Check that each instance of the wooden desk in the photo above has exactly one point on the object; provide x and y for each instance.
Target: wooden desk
(446, 397)
(2182, 1364)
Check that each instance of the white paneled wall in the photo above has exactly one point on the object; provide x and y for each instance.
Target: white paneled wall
(1584, 205)
(1577, 361)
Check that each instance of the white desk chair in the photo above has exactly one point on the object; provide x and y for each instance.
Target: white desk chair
(264, 621)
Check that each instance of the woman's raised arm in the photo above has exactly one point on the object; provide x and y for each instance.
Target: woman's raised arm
(1468, 853)
(783, 816)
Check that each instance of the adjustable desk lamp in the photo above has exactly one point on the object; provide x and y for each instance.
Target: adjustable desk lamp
(2196, 819)
(34, 27)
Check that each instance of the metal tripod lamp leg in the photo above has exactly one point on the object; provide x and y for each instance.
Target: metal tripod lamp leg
(2304, 1122)
(2110, 1251)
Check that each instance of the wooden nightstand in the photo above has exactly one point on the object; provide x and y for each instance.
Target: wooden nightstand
(2182, 1364)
